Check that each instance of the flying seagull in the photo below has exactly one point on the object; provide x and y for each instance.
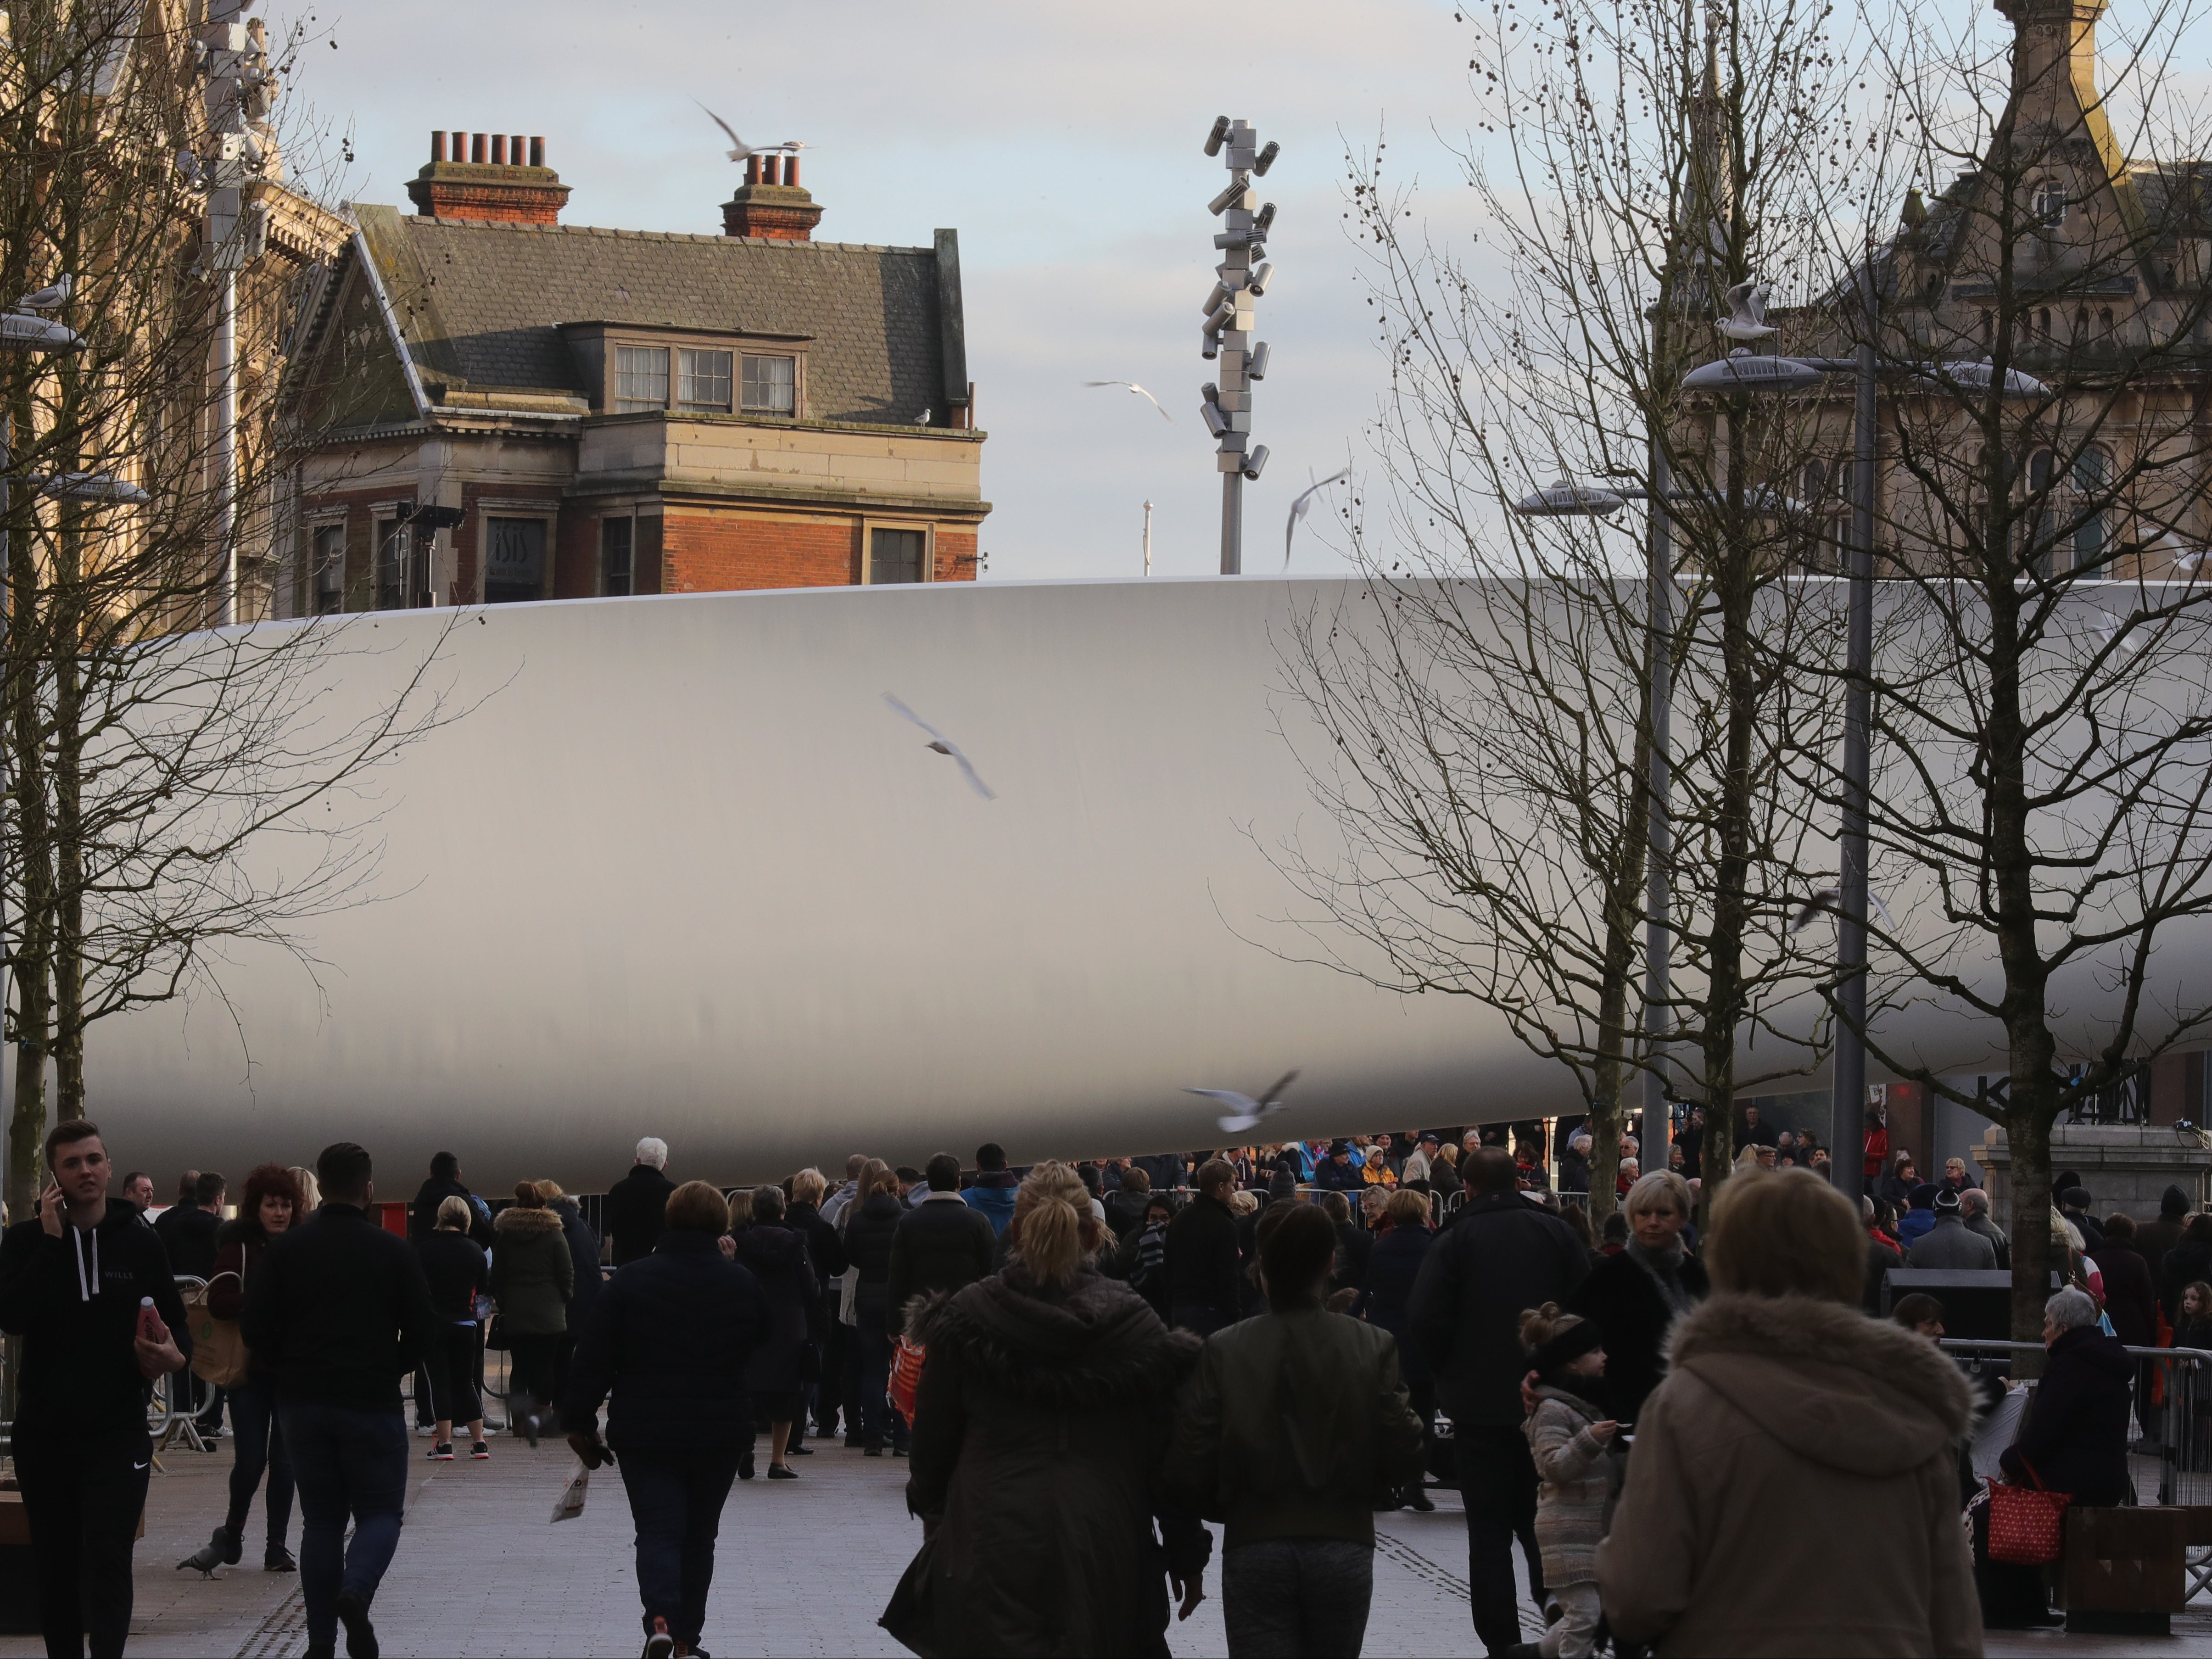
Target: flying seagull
(742, 149)
(1298, 508)
(1140, 392)
(945, 745)
(2113, 629)
(1245, 1113)
(1829, 898)
(48, 299)
(1747, 311)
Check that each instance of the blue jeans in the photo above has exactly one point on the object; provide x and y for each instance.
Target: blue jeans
(347, 1462)
(257, 1445)
(676, 1499)
(1284, 1597)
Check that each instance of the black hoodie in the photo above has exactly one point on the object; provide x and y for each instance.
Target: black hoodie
(75, 1301)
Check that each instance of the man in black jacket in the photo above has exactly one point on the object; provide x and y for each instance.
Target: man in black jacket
(444, 1182)
(187, 1228)
(1202, 1261)
(636, 1203)
(71, 1279)
(1500, 1255)
(340, 1308)
(826, 1336)
(941, 1244)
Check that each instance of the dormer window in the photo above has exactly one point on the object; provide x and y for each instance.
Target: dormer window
(690, 370)
(2049, 203)
(770, 384)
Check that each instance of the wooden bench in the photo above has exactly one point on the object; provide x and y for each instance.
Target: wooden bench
(2125, 1571)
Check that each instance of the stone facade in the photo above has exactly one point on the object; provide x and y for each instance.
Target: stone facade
(2124, 1168)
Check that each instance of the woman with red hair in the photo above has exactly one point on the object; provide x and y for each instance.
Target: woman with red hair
(270, 1204)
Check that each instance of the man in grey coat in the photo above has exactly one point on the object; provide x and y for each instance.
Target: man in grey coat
(1974, 1205)
(1947, 1243)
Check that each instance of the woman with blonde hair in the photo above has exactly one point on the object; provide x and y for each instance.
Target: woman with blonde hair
(1793, 1430)
(1041, 1425)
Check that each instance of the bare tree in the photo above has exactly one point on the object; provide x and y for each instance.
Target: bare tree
(152, 764)
(1487, 717)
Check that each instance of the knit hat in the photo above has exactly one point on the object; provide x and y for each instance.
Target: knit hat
(1923, 1195)
(1947, 1202)
(2175, 1202)
(1564, 1349)
(1339, 1147)
(2075, 1197)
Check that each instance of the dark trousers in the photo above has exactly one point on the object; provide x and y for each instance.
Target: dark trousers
(210, 1416)
(257, 1447)
(452, 1368)
(81, 1498)
(676, 1499)
(1285, 1598)
(348, 1462)
(530, 1368)
(1497, 1485)
(841, 1383)
(879, 1422)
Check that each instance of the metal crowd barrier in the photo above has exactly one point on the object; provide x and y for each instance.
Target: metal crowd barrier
(172, 1422)
(2170, 1444)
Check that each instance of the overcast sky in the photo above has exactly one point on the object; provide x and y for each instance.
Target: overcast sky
(1064, 142)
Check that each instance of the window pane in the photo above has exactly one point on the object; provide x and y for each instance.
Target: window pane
(514, 560)
(770, 385)
(614, 555)
(329, 569)
(895, 556)
(641, 377)
(391, 563)
(702, 380)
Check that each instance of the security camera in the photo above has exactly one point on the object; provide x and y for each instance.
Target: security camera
(1259, 282)
(1266, 159)
(1257, 367)
(1216, 422)
(1262, 223)
(1218, 136)
(1210, 393)
(1213, 299)
(1209, 345)
(1234, 189)
(1256, 463)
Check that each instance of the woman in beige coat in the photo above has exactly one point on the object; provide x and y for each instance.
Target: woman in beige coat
(1791, 1487)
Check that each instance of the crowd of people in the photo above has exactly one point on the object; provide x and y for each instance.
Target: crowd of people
(1084, 1364)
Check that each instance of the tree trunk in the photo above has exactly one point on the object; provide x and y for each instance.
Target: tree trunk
(2028, 1137)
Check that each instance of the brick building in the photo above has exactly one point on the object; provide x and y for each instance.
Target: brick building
(610, 411)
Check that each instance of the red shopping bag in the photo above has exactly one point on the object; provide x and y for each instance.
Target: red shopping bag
(906, 1377)
(2027, 1524)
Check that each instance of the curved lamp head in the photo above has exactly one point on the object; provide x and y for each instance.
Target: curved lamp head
(90, 486)
(1978, 376)
(21, 332)
(1564, 500)
(1750, 373)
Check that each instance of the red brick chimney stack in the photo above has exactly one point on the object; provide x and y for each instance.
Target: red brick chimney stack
(771, 202)
(494, 182)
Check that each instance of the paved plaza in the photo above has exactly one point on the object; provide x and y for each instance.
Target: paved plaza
(806, 1567)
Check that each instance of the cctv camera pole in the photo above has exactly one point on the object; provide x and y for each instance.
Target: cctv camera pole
(231, 233)
(1148, 538)
(1229, 323)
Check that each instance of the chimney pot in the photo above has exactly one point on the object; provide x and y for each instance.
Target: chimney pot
(450, 192)
(476, 149)
(460, 147)
(537, 152)
(791, 169)
(752, 169)
(499, 149)
(437, 147)
(515, 150)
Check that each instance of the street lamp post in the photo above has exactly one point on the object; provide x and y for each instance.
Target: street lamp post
(1741, 372)
(1226, 406)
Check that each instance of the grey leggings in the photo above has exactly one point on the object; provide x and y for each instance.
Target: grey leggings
(1289, 1598)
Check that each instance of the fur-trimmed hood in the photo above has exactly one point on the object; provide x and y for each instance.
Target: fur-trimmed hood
(1091, 1342)
(519, 1222)
(1835, 1386)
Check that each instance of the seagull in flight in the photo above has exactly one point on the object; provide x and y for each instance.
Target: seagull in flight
(1298, 508)
(945, 745)
(1830, 898)
(1747, 311)
(49, 299)
(742, 149)
(2113, 629)
(1246, 1113)
(1140, 392)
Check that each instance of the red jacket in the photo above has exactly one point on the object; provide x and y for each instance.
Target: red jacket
(1877, 1151)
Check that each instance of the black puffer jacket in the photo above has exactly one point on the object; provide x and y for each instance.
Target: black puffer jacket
(1041, 1425)
(777, 1257)
(870, 1229)
(671, 1337)
(2075, 1438)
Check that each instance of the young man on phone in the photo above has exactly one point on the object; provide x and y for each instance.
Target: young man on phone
(74, 1282)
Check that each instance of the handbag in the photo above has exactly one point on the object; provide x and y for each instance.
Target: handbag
(219, 1355)
(906, 1378)
(2027, 1524)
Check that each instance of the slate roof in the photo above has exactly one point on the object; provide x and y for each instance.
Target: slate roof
(481, 304)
